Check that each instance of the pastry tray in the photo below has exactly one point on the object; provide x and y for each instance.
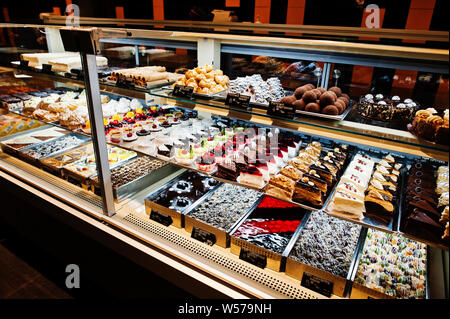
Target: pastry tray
(213, 235)
(326, 198)
(36, 162)
(358, 291)
(369, 221)
(15, 151)
(57, 170)
(223, 95)
(137, 184)
(195, 94)
(167, 216)
(85, 181)
(260, 256)
(417, 234)
(337, 285)
(339, 117)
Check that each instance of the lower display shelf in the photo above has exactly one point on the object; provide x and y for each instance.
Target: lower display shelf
(219, 263)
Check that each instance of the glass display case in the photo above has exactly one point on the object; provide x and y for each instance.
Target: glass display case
(241, 157)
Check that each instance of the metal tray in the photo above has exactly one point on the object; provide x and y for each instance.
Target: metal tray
(167, 216)
(339, 117)
(211, 234)
(14, 151)
(419, 235)
(55, 169)
(372, 222)
(358, 291)
(330, 192)
(35, 161)
(194, 94)
(339, 285)
(271, 259)
(85, 181)
(140, 183)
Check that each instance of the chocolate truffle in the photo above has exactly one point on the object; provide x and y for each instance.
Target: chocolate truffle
(289, 100)
(310, 86)
(299, 105)
(318, 93)
(336, 90)
(309, 97)
(300, 91)
(346, 96)
(330, 110)
(343, 99)
(322, 90)
(340, 105)
(312, 107)
(327, 98)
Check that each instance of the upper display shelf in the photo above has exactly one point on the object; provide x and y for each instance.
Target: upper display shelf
(380, 87)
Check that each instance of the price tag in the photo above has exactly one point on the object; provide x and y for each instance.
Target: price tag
(281, 109)
(203, 236)
(161, 218)
(237, 100)
(317, 284)
(253, 258)
(183, 91)
(46, 68)
(24, 64)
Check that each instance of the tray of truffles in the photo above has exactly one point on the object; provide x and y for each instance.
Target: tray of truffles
(319, 102)
(78, 172)
(390, 266)
(219, 213)
(324, 252)
(134, 175)
(205, 80)
(264, 234)
(308, 179)
(35, 152)
(386, 109)
(255, 155)
(425, 203)
(369, 191)
(431, 125)
(168, 204)
(54, 163)
(12, 144)
(261, 92)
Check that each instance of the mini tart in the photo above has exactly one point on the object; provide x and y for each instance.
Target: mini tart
(143, 132)
(174, 121)
(154, 128)
(129, 137)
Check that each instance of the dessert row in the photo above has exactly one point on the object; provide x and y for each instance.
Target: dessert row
(297, 168)
(264, 231)
(71, 157)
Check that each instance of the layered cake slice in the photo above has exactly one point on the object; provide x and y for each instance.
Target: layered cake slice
(252, 176)
(281, 186)
(346, 204)
(306, 191)
(227, 171)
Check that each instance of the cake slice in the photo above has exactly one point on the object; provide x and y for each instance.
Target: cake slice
(350, 188)
(317, 180)
(290, 172)
(348, 204)
(360, 184)
(251, 176)
(306, 191)
(227, 171)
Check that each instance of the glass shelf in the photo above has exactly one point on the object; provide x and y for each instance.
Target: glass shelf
(349, 125)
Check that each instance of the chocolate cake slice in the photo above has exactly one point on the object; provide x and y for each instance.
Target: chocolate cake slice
(227, 171)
